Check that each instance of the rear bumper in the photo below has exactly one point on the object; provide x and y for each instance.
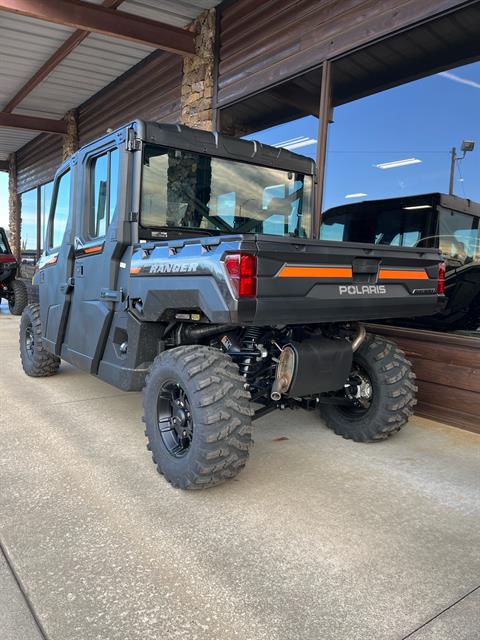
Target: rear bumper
(274, 311)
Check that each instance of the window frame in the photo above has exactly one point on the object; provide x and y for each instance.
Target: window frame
(308, 195)
(50, 247)
(86, 228)
(442, 213)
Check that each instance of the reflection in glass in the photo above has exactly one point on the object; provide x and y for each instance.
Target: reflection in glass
(458, 237)
(183, 189)
(29, 220)
(397, 143)
(114, 166)
(99, 179)
(62, 209)
(298, 136)
(370, 223)
(104, 188)
(46, 191)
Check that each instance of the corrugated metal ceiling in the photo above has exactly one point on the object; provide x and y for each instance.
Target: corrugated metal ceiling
(13, 139)
(25, 44)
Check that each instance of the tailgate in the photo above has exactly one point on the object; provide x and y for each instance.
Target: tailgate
(320, 281)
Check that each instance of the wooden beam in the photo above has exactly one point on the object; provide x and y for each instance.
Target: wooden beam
(60, 54)
(4, 165)
(117, 24)
(297, 98)
(32, 123)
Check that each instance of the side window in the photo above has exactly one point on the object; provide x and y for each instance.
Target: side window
(332, 230)
(103, 192)
(458, 236)
(60, 211)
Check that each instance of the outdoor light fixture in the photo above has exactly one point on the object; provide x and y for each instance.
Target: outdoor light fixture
(418, 206)
(467, 145)
(397, 163)
(356, 195)
(295, 143)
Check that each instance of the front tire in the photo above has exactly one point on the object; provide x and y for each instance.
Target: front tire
(37, 362)
(18, 298)
(197, 416)
(387, 377)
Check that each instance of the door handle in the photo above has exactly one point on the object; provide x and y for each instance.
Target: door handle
(67, 286)
(111, 295)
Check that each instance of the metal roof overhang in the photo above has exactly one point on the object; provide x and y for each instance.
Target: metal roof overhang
(430, 47)
(72, 49)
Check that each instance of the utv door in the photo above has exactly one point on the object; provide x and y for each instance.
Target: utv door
(56, 264)
(97, 255)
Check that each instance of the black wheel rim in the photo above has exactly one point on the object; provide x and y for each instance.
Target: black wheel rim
(29, 341)
(360, 392)
(174, 418)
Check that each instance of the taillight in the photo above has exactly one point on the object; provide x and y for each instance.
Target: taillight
(441, 279)
(242, 273)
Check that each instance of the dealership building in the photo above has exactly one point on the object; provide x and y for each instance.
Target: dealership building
(377, 92)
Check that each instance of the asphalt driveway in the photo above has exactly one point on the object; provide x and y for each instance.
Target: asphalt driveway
(319, 538)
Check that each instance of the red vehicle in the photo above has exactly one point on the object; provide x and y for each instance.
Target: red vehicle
(13, 290)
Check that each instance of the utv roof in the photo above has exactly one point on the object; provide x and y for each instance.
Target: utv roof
(464, 205)
(217, 144)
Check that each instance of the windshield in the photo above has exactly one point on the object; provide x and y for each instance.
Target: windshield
(187, 190)
(3, 243)
(395, 227)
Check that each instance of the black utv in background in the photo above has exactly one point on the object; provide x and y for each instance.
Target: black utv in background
(12, 290)
(435, 220)
(182, 262)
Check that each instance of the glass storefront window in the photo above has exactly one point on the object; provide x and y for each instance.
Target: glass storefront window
(374, 225)
(398, 142)
(299, 136)
(45, 201)
(34, 206)
(29, 220)
(458, 236)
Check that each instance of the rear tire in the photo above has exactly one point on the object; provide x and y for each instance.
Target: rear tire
(393, 394)
(18, 299)
(37, 362)
(197, 416)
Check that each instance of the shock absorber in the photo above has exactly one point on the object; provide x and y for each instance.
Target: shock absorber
(247, 364)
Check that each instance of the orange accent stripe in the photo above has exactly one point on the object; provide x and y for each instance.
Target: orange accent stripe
(402, 274)
(315, 272)
(95, 249)
(52, 260)
(135, 270)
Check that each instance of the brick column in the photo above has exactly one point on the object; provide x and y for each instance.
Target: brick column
(197, 80)
(14, 213)
(70, 140)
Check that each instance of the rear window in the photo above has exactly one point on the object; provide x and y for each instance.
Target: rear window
(394, 227)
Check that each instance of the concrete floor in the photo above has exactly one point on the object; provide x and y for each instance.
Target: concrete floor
(319, 538)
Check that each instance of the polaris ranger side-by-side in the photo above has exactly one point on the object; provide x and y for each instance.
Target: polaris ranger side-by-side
(182, 262)
(434, 220)
(14, 291)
